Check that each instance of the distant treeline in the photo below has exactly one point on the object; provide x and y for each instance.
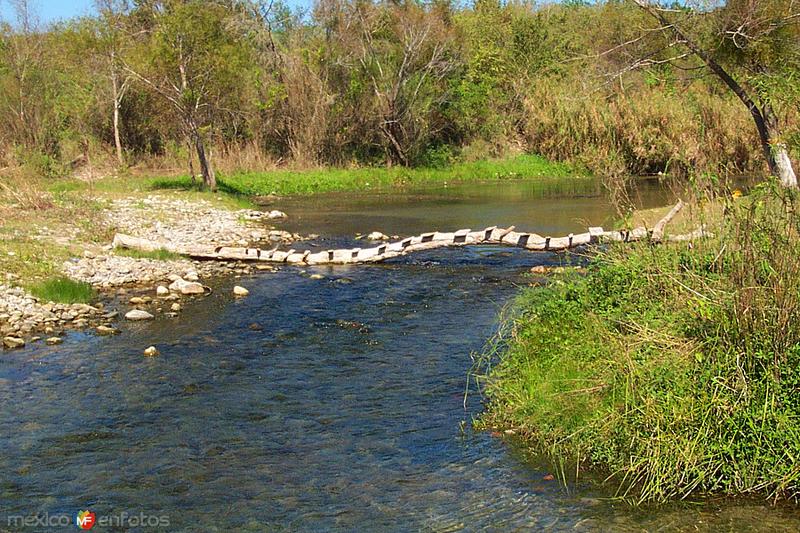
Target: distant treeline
(249, 84)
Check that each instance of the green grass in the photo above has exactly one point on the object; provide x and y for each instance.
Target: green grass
(159, 255)
(674, 371)
(62, 290)
(288, 182)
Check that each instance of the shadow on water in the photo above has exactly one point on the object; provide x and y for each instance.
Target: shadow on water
(314, 404)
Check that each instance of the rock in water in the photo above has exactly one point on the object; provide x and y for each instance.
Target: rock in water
(316, 276)
(240, 291)
(106, 330)
(276, 214)
(138, 314)
(377, 236)
(162, 291)
(13, 342)
(191, 276)
(175, 307)
(54, 340)
(150, 351)
(186, 287)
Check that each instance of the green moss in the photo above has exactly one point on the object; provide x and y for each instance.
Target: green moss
(62, 290)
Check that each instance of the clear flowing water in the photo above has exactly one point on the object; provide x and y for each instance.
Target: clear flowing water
(316, 405)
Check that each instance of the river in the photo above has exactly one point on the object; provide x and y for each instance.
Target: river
(319, 404)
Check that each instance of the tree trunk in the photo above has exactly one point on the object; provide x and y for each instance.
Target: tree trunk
(783, 166)
(780, 165)
(117, 141)
(209, 179)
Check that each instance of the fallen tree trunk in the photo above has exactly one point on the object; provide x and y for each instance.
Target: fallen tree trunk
(426, 241)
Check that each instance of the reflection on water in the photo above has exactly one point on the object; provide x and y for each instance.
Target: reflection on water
(331, 404)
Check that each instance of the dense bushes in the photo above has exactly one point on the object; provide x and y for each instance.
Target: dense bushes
(673, 369)
(361, 83)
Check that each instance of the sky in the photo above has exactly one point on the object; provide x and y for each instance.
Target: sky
(48, 11)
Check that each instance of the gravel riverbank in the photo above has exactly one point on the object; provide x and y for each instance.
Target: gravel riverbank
(145, 284)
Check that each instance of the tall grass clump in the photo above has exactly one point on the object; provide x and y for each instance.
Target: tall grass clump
(674, 369)
(62, 290)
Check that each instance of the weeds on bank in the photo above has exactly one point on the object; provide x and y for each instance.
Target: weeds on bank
(62, 290)
(159, 255)
(673, 368)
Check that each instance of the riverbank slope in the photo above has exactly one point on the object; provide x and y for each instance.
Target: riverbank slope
(671, 368)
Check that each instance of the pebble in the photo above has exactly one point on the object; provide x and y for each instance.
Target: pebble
(316, 276)
(150, 351)
(13, 342)
(377, 236)
(138, 314)
(272, 215)
(54, 340)
(161, 290)
(240, 291)
(106, 330)
(186, 287)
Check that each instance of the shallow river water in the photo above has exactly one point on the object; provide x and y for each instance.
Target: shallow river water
(341, 410)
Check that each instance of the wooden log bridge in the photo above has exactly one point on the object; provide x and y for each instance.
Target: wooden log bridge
(427, 241)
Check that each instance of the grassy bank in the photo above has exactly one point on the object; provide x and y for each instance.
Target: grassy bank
(298, 182)
(673, 369)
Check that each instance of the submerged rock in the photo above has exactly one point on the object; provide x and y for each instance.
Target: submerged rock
(138, 314)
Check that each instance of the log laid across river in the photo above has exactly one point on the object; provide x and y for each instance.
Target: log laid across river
(426, 241)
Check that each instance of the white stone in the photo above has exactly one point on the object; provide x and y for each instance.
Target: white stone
(377, 236)
(276, 214)
(162, 291)
(186, 287)
(150, 351)
(138, 314)
(240, 291)
(13, 342)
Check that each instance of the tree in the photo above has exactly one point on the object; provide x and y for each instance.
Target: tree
(748, 45)
(405, 53)
(190, 57)
(110, 42)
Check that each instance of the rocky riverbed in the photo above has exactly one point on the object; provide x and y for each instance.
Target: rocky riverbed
(140, 287)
